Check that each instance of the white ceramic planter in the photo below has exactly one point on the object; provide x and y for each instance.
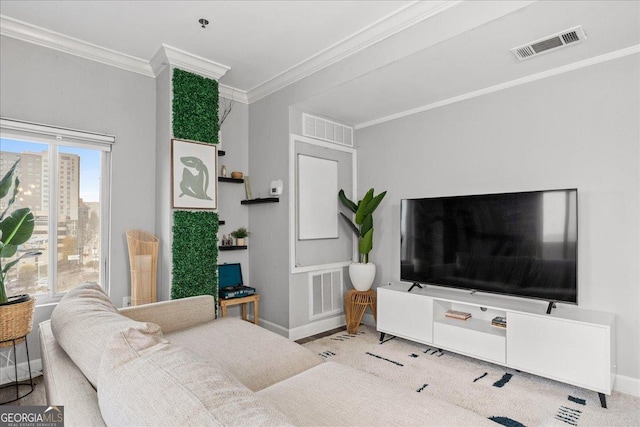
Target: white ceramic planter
(362, 275)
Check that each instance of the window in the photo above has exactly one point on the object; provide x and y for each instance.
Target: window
(69, 199)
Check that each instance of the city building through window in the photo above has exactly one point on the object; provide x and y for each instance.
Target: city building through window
(64, 180)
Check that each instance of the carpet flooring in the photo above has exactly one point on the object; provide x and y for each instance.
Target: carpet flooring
(506, 396)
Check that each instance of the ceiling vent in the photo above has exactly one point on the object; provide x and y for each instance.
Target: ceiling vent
(326, 130)
(565, 38)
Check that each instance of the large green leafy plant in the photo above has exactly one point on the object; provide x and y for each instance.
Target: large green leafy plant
(363, 226)
(15, 228)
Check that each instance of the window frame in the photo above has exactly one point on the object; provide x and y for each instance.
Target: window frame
(56, 137)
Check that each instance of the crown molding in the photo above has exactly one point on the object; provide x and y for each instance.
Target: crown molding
(41, 36)
(168, 55)
(506, 85)
(385, 27)
(232, 93)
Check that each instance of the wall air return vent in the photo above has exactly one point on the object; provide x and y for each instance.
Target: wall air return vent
(326, 291)
(326, 130)
(562, 39)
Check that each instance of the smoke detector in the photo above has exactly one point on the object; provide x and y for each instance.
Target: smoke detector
(556, 41)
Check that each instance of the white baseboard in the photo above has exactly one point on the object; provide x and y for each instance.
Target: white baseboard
(627, 385)
(316, 327)
(274, 327)
(7, 373)
(313, 328)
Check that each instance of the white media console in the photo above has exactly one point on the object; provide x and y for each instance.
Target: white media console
(571, 345)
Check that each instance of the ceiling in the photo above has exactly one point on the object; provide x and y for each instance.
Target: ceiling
(425, 53)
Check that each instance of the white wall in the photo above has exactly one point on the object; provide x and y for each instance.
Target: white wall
(579, 129)
(269, 223)
(164, 213)
(46, 86)
(235, 143)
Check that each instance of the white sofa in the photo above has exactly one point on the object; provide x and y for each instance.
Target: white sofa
(172, 363)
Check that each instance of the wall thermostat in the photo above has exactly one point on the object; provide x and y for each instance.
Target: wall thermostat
(275, 189)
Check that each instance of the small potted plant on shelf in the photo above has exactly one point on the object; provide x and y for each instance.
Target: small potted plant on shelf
(16, 312)
(240, 234)
(362, 273)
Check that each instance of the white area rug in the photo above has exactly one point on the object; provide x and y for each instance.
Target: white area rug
(504, 395)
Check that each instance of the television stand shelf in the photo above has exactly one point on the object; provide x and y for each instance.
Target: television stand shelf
(571, 345)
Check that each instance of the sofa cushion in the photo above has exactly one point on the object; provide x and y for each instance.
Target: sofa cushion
(83, 322)
(175, 314)
(65, 385)
(146, 381)
(255, 356)
(337, 395)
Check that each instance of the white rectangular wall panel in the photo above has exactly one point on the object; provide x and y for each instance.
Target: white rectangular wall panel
(317, 198)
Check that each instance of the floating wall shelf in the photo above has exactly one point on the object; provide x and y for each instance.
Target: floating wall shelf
(221, 153)
(232, 248)
(260, 200)
(232, 180)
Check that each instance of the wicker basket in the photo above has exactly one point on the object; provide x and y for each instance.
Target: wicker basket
(16, 321)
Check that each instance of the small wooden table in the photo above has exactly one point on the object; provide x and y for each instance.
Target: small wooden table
(224, 303)
(355, 304)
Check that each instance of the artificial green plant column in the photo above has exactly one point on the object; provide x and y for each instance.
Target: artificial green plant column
(195, 254)
(194, 249)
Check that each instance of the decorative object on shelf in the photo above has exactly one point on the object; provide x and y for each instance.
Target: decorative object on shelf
(223, 171)
(275, 189)
(457, 314)
(240, 234)
(237, 175)
(193, 165)
(226, 240)
(247, 187)
(362, 273)
(143, 263)
(226, 109)
(499, 322)
(16, 312)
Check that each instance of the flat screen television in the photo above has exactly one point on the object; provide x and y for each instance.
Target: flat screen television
(521, 244)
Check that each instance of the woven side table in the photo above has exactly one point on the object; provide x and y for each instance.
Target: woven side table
(355, 304)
